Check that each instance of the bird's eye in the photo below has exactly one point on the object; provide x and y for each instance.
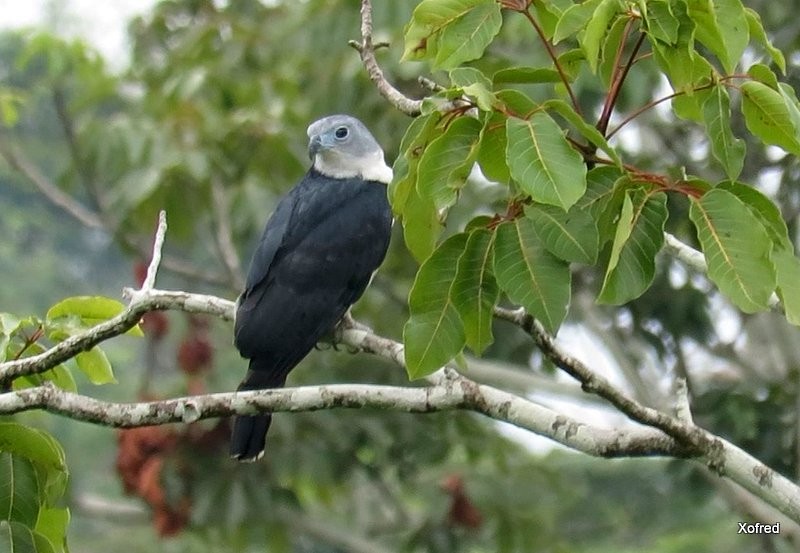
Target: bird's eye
(341, 133)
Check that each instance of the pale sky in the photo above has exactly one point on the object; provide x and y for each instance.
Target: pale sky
(100, 22)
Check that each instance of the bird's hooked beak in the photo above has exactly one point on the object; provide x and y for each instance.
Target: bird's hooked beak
(318, 142)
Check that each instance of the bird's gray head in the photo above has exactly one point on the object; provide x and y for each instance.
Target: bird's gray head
(341, 147)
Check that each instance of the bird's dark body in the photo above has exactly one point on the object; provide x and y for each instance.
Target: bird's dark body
(316, 257)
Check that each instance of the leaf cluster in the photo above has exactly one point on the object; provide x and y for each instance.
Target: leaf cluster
(21, 338)
(570, 197)
(33, 477)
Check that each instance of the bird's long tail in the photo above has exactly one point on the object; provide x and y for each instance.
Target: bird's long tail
(250, 432)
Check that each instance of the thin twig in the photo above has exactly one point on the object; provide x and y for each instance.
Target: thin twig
(158, 245)
(683, 407)
(551, 52)
(49, 190)
(366, 49)
(78, 159)
(619, 76)
(641, 110)
(224, 236)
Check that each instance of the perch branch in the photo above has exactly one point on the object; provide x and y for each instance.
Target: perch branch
(451, 393)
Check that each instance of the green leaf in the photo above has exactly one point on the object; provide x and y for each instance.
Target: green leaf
(94, 364)
(434, 333)
(611, 45)
(419, 133)
(568, 235)
(572, 62)
(722, 27)
(421, 226)
(763, 74)
(596, 29)
(516, 103)
(467, 37)
(758, 33)
(475, 291)
(548, 13)
(737, 249)
(638, 238)
(58, 375)
(447, 162)
(574, 19)
(764, 209)
(791, 103)
(494, 140)
(685, 68)
(40, 448)
(727, 149)
(787, 272)
(19, 489)
(543, 163)
(465, 76)
(529, 274)
(787, 266)
(10, 323)
(605, 192)
(16, 538)
(661, 23)
(91, 309)
(9, 107)
(451, 32)
(768, 116)
(42, 544)
(586, 129)
(526, 75)
(492, 152)
(52, 524)
(475, 85)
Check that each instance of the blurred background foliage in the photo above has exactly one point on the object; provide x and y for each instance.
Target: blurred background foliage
(207, 120)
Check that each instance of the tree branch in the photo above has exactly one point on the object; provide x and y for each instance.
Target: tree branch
(719, 455)
(451, 393)
(686, 254)
(55, 195)
(68, 127)
(224, 236)
(366, 50)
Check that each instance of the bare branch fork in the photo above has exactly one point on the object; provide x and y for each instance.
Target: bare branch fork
(662, 434)
(366, 49)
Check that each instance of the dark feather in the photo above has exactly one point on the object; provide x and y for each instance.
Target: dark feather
(316, 257)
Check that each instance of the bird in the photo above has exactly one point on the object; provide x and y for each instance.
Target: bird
(317, 254)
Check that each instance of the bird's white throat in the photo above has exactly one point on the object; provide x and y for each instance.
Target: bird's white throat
(342, 166)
